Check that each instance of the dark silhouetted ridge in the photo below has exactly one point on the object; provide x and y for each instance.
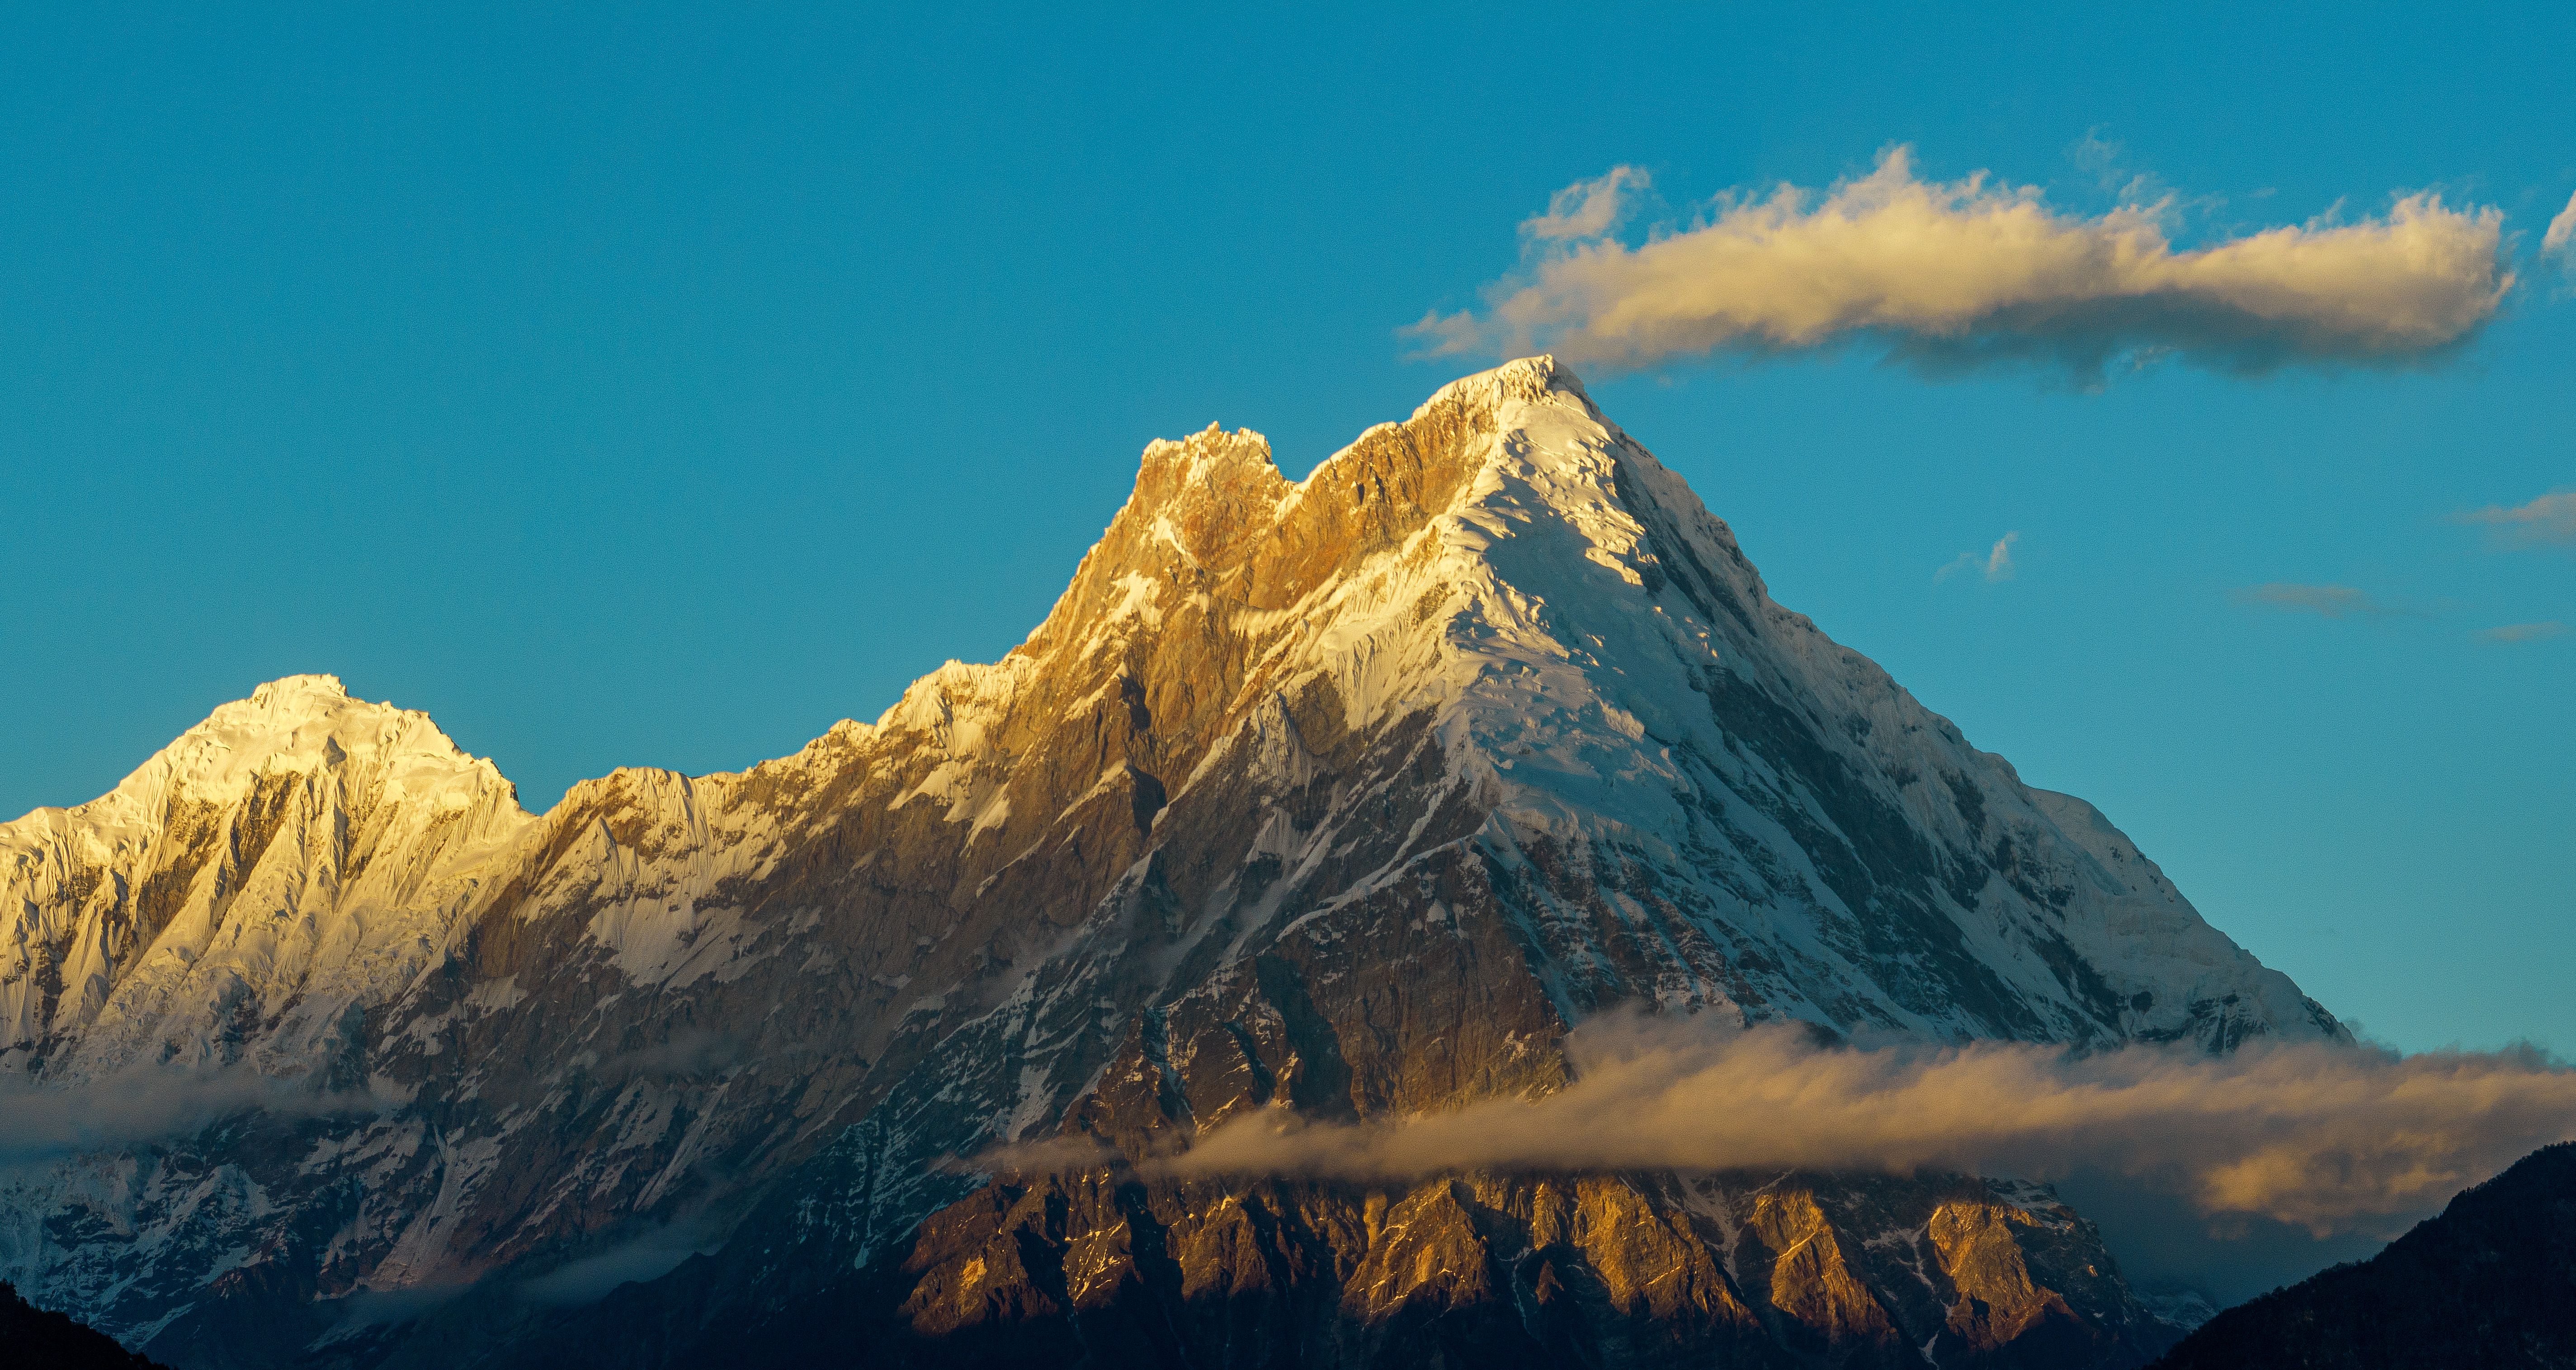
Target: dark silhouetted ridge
(33, 1339)
(2490, 1283)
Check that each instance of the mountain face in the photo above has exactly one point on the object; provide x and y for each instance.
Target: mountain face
(1348, 796)
(2491, 1282)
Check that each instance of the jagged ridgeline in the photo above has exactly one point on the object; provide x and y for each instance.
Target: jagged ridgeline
(1348, 796)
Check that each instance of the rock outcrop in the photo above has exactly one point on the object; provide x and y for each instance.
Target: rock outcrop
(1349, 796)
(1570, 1271)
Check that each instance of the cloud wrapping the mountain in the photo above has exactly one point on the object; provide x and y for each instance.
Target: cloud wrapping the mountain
(41, 1124)
(2329, 1137)
(1970, 271)
(647, 1257)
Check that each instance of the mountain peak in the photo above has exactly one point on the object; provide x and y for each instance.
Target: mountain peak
(316, 687)
(298, 725)
(1209, 454)
(1526, 379)
(1216, 477)
(306, 723)
(1200, 495)
(1600, 657)
(1212, 514)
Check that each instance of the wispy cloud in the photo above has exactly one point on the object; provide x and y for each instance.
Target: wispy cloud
(2331, 601)
(2550, 518)
(1973, 271)
(2107, 162)
(1586, 209)
(2332, 1138)
(2524, 632)
(1995, 565)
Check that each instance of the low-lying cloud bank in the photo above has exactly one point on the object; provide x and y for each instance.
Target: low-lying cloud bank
(1971, 271)
(145, 1105)
(647, 1257)
(2331, 1138)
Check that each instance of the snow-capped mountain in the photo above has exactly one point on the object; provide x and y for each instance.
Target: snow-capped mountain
(1349, 795)
(297, 855)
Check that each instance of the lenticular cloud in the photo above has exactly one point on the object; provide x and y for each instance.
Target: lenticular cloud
(2333, 1137)
(1966, 272)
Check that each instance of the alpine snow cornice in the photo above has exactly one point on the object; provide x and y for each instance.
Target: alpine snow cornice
(1348, 796)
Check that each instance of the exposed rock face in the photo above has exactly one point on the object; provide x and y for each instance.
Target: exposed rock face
(1349, 796)
(1569, 1271)
(2491, 1282)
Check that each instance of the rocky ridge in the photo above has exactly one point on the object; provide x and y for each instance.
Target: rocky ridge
(1348, 796)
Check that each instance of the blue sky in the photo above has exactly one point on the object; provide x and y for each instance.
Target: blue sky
(658, 389)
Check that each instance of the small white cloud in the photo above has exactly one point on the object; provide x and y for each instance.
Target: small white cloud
(2550, 518)
(1999, 562)
(1996, 565)
(2524, 632)
(2328, 601)
(1586, 209)
(2559, 243)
